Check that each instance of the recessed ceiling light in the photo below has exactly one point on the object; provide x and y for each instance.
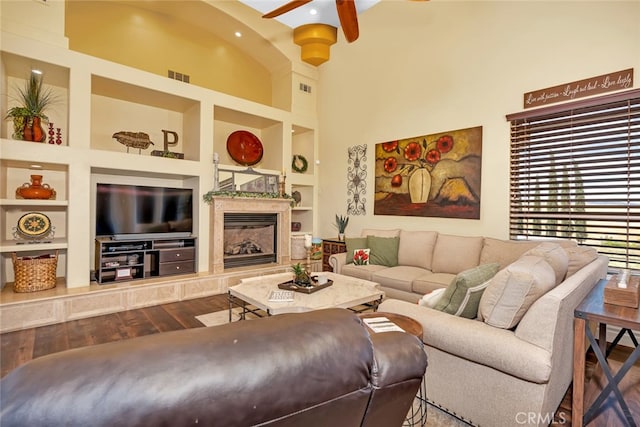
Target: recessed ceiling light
(238, 34)
(313, 12)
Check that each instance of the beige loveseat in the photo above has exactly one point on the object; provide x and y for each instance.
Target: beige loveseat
(488, 373)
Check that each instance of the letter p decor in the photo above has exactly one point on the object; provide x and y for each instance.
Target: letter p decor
(167, 143)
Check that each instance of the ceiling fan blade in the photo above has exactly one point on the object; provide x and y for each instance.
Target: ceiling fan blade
(348, 19)
(286, 8)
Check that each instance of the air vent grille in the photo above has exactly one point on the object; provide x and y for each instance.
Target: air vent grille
(305, 87)
(178, 76)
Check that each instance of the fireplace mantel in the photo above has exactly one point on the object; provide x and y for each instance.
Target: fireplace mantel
(221, 205)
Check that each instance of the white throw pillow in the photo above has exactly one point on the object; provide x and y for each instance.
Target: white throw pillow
(431, 299)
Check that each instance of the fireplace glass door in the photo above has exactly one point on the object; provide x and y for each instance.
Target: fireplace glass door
(250, 239)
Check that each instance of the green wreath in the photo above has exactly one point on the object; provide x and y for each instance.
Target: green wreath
(295, 163)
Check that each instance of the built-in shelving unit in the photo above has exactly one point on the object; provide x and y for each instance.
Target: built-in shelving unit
(15, 174)
(304, 212)
(303, 144)
(155, 111)
(96, 99)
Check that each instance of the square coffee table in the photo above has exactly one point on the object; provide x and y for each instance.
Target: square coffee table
(346, 292)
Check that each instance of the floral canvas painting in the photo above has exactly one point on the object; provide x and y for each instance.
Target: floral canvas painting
(434, 175)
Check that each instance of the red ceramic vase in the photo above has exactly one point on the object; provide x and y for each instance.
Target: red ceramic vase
(35, 190)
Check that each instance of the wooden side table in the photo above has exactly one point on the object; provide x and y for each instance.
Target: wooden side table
(593, 308)
(417, 415)
(330, 247)
(409, 325)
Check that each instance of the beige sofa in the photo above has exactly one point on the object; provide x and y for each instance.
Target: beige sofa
(505, 375)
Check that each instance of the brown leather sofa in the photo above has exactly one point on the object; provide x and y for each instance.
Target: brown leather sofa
(319, 368)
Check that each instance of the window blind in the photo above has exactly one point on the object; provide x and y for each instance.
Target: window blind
(575, 173)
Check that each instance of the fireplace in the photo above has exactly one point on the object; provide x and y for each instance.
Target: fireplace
(248, 232)
(250, 239)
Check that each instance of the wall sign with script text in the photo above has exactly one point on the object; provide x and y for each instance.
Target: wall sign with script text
(587, 87)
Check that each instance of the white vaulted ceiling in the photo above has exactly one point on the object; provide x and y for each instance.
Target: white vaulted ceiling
(325, 11)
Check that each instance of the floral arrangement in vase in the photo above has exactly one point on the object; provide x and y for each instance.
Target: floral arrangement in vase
(419, 176)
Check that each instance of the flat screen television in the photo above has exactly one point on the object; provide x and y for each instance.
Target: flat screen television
(136, 211)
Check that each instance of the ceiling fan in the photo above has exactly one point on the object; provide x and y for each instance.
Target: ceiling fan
(346, 13)
(315, 38)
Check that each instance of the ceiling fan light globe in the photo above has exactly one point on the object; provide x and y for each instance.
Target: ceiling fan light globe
(315, 41)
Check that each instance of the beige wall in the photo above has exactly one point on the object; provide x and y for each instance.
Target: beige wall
(35, 19)
(420, 68)
(156, 43)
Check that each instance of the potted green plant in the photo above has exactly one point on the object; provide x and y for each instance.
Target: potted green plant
(301, 276)
(19, 116)
(341, 225)
(27, 118)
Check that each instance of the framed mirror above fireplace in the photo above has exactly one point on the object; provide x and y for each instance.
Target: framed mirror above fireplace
(248, 180)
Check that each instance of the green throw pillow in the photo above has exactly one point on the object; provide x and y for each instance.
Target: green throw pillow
(384, 250)
(462, 296)
(354, 243)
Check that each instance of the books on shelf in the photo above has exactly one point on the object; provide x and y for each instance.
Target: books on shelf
(281, 295)
(381, 324)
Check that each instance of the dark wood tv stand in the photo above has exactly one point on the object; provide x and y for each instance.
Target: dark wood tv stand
(118, 260)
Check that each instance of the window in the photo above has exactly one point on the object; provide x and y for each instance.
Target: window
(575, 173)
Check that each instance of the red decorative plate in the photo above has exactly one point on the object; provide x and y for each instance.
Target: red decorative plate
(244, 147)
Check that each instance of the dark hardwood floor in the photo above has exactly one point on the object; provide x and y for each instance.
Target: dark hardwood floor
(19, 347)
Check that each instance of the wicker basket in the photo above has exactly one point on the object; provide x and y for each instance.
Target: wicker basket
(34, 274)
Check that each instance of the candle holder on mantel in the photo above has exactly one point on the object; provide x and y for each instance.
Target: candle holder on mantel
(52, 134)
(281, 183)
(308, 245)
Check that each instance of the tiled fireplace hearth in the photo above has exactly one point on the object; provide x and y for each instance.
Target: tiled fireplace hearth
(227, 239)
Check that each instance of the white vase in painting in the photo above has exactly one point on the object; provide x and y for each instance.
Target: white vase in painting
(419, 185)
